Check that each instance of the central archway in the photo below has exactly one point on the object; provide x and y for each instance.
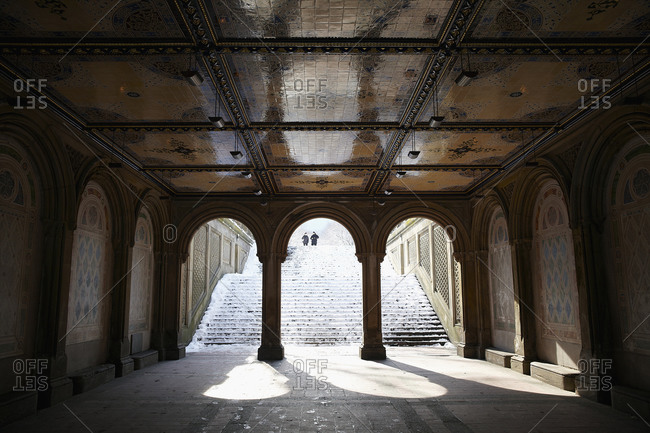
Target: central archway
(321, 286)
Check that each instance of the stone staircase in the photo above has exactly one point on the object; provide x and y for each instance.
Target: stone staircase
(321, 304)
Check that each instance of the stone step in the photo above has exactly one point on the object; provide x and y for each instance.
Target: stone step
(321, 304)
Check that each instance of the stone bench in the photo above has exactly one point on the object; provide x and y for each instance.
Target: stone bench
(498, 357)
(625, 399)
(561, 377)
(89, 378)
(144, 359)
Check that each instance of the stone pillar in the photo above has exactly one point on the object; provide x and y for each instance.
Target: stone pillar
(469, 346)
(119, 349)
(596, 355)
(168, 336)
(525, 330)
(271, 347)
(372, 347)
(483, 275)
(53, 311)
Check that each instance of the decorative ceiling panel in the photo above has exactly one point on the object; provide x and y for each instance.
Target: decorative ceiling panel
(524, 88)
(125, 88)
(562, 19)
(434, 181)
(323, 147)
(330, 18)
(180, 149)
(322, 181)
(325, 87)
(208, 181)
(448, 147)
(75, 18)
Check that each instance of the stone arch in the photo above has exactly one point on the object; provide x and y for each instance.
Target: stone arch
(336, 212)
(445, 218)
(555, 288)
(482, 217)
(501, 284)
(617, 129)
(202, 214)
(626, 237)
(92, 258)
(45, 151)
(21, 254)
(525, 196)
(141, 283)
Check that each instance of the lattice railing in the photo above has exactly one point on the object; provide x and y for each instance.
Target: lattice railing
(441, 261)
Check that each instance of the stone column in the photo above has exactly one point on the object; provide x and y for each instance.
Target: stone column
(119, 349)
(483, 275)
(525, 330)
(469, 346)
(53, 311)
(168, 337)
(271, 347)
(372, 347)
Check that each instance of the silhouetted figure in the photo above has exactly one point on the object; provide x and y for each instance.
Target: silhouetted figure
(305, 239)
(314, 239)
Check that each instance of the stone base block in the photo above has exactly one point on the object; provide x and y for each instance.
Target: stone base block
(561, 377)
(17, 404)
(520, 364)
(173, 354)
(58, 390)
(124, 366)
(626, 399)
(467, 351)
(498, 357)
(270, 353)
(145, 359)
(372, 353)
(89, 378)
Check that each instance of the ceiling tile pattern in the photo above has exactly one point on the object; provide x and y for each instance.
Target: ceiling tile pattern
(324, 147)
(324, 92)
(207, 148)
(562, 19)
(323, 181)
(325, 87)
(75, 18)
(208, 181)
(330, 19)
(524, 88)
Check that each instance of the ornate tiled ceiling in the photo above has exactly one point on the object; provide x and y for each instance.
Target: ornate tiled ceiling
(323, 97)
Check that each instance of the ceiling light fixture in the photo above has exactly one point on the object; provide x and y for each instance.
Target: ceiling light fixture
(257, 192)
(436, 119)
(466, 75)
(217, 120)
(413, 154)
(388, 191)
(381, 202)
(400, 174)
(246, 174)
(193, 76)
(236, 153)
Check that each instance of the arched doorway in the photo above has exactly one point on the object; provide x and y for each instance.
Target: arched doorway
(321, 286)
(221, 287)
(420, 287)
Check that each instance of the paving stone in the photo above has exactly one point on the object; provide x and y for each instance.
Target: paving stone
(414, 390)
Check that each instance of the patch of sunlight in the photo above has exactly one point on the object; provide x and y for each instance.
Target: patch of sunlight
(379, 379)
(252, 381)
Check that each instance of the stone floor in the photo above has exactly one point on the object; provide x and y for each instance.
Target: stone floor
(330, 390)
